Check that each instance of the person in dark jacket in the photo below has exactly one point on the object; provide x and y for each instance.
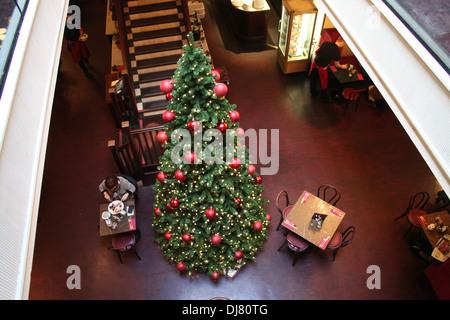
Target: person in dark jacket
(327, 53)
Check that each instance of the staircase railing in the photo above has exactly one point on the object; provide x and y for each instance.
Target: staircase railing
(124, 101)
(187, 19)
(137, 152)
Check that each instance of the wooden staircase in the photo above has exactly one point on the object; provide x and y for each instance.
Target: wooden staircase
(156, 31)
(153, 33)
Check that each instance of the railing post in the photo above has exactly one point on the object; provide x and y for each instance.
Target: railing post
(113, 149)
(129, 85)
(187, 19)
(134, 149)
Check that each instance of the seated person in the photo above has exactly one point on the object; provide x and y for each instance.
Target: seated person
(116, 188)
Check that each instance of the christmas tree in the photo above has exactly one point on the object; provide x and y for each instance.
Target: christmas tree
(209, 212)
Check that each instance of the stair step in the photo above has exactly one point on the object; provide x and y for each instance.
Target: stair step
(158, 47)
(155, 27)
(155, 20)
(153, 14)
(152, 105)
(147, 89)
(156, 34)
(152, 7)
(160, 61)
(158, 54)
(154, 41)
(155, 105)
(154, 74)
(150, 91)
(137, 3)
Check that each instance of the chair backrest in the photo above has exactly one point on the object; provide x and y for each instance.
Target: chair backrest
(333, 194)
(279, 197)
(419, 200)
(357, 94)
(348, 235)
(130, 179)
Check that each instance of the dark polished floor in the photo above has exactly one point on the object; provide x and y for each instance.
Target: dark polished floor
(367, 155)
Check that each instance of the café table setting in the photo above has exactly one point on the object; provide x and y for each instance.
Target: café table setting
(314, 219)
(350, 74)
(436, 228)
(117, 217)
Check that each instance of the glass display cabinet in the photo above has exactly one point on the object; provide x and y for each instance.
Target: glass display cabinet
(296, 29)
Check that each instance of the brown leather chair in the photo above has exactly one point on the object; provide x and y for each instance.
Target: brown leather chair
(351, 95)
(125, 242)
(295, 243)
(340, 240)
(283, 209)
(333, 194)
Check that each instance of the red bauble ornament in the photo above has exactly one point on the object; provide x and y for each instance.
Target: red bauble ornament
(234, 116)
(162, 137)
(269, 217)
(210, 213)
(169, 96)
(168, 116)
(162, 176)
(187, 237)
(174, 203)
(238, 255)
(215, 275)
(193, 125)
(216, 74)
(220, 90)
(257, 225)
(167, 235)
(251, 169)
(235, 163)
(181, 266)
(179, 175)
(166, 86)
(168, 207)
(223, 126)
(158, 212)
(258, 179)
(215, 239)
(237, 202)
(190, 158)
(240, 132)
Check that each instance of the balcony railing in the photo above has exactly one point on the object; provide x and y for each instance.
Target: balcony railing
(11, 17)
(428, 22)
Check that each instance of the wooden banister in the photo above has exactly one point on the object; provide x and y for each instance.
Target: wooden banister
(187, 19)
(138, 152)
(118, 7)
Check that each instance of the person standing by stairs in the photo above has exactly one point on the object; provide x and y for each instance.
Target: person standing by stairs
(78, 49)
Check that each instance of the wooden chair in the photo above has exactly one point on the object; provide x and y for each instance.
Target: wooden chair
(351, 95)
(415, 210)
(283, 210)
(125, 242)
(340, 240)
(333, 194)
(133, 182)
(295, 243)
